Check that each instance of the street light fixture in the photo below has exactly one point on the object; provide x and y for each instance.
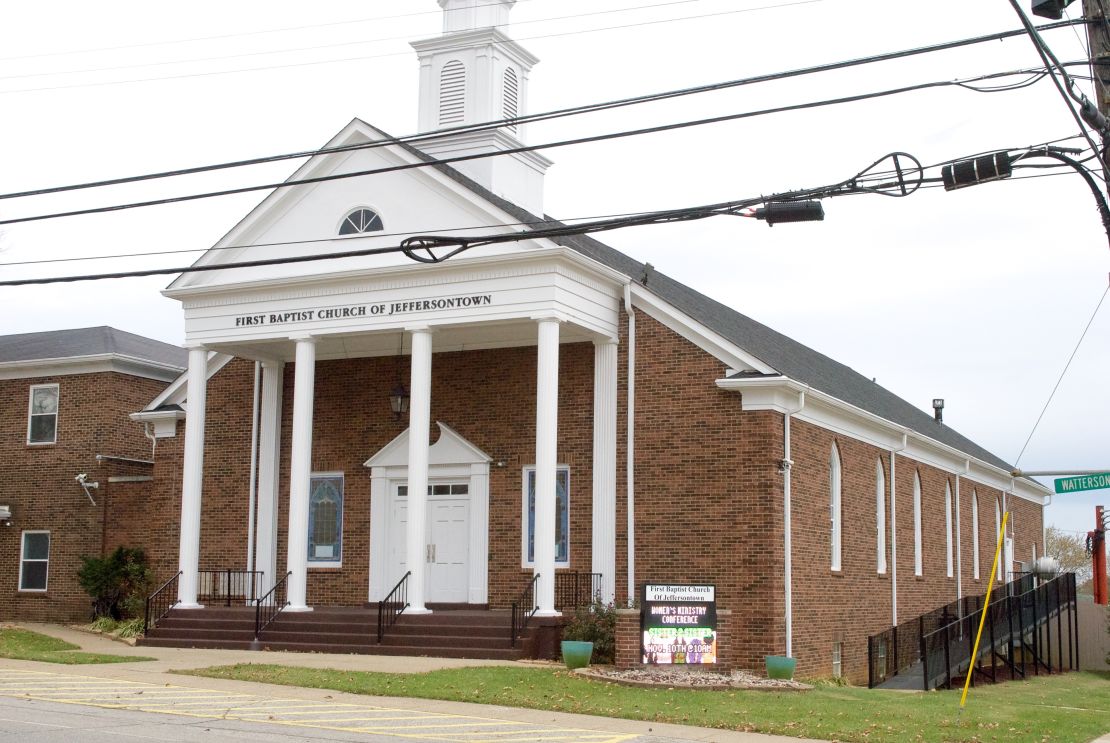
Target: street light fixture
(1053, 9)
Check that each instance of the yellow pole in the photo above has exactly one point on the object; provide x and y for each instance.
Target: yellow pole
(986, 603)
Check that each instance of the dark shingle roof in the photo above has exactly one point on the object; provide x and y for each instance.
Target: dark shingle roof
(78, 342)
(787, 356)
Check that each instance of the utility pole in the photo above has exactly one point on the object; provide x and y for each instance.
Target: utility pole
(1098, 38)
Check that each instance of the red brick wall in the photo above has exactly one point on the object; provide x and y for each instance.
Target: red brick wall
(38, 482)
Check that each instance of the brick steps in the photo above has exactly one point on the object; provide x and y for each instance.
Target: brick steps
(446, 634)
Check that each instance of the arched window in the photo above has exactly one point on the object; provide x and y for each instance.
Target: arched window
(510, 99)
(359, 221)
(997, 529)
(948, 529)
(880, 516)
(834, 506)
(917, 523)
(452, 93)
(975, 535)
(325, 519)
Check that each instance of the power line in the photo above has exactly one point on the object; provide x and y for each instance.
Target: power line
(422, 247)
(927, 183)
(394, 54)
(550, 115)
(216, 37)
(378, 40)
(1062, 373)
(430, 162)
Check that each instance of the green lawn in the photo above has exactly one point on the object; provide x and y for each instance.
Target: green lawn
(1070, 707)
(22, 644)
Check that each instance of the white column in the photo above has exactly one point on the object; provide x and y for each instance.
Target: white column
(300, 473)
(420, 412)
(547, 435)
(605, 467)
(192, 478)
(269, 448)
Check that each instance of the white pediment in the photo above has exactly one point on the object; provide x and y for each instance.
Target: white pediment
(305, 219)
(449, 449)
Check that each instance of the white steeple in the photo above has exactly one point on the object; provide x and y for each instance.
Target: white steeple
(473, 74)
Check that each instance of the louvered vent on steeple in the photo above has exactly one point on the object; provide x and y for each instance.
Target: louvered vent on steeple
(452, 93)
(511, 97)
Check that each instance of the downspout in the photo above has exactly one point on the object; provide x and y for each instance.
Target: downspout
(630, 461)
(959, 536)
(894, 537)
(152, 437)
(787, 541)
(252, 484)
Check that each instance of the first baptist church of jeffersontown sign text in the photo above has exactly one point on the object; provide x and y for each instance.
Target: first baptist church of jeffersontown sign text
(363, 310)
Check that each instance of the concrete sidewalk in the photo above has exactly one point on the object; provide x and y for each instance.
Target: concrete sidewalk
(167, 660)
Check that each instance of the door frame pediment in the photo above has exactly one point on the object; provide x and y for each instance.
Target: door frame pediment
(450, 457)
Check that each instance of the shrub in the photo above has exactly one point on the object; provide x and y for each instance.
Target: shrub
(117, 583)
(596, 623)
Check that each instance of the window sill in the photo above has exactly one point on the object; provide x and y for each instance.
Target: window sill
(38, 444)
(333, 566)
(31, 592)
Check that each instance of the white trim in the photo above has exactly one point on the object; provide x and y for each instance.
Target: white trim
(31, 412)
(880, 517)
(949, 555)
(833, 414)
(176, 392)
(918, 559)
(697, 333)
(524, 561)
(92, 364)
(22, 549)
(165, 421)
(836, 481)
(975, 533)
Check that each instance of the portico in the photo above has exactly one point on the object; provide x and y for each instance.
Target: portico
(544, 297)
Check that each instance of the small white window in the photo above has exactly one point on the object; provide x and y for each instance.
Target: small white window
(834, 506)
(948, 529)
(837, 659)
(880, 516)
(975, 535)
(360, 221)
(325, 520)
(42, 417)
(917, 523)
(34, 560)
(562, 517)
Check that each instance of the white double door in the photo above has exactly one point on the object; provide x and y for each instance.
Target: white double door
(447, 541)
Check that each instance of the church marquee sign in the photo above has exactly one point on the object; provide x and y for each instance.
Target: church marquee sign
(678, 624)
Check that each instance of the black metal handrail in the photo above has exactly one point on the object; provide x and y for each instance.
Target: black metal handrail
(392, 606)
(898, 648)
(520, 615)
(269, 606)
(1019, 618)
(573, 590)
(226, 585)
(159, 603)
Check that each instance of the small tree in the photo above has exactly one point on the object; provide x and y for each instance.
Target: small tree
(1070, 550)
(117, 583)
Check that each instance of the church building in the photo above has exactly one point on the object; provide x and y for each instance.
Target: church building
(545, 409)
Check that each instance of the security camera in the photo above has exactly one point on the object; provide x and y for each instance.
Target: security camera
(81, 478)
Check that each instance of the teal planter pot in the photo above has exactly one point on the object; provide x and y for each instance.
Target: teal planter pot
(780, 667)
(576, 654)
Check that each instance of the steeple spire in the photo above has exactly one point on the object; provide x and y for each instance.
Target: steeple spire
(473, 74)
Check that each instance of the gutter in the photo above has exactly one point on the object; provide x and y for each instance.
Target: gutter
(630, 445)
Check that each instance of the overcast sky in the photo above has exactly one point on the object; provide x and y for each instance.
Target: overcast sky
(978, 296)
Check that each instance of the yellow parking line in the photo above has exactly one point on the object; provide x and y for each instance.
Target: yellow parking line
(490, 723)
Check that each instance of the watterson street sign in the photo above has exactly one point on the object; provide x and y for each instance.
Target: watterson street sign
(1083, 482)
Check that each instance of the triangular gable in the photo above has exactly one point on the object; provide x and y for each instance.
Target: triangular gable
(305, 219)
(449, 448)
